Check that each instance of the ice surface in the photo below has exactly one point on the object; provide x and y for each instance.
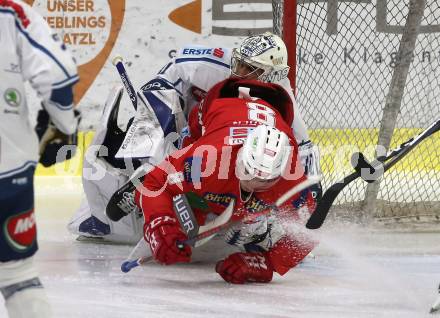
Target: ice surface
(356, 272)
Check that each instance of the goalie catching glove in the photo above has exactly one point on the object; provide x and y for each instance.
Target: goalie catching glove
(163, 234)
(52, 140)
(240, 268)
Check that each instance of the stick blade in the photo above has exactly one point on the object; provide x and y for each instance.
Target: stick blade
(436, 306)
(319, 215)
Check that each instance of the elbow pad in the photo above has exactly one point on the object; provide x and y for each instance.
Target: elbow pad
(59, 107)
(62, 96)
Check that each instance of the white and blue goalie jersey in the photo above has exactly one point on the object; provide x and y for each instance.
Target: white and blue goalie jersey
(195, 69)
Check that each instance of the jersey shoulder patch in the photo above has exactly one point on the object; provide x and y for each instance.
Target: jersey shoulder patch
(204, 54)
(17, 9)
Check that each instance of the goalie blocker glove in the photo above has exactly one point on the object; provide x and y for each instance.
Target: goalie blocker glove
(163, 234)
(52, 140)
(240, 268)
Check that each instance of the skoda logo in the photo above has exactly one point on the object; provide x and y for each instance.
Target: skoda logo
(12, 97)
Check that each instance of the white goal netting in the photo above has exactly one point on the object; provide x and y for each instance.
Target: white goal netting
(368, 73)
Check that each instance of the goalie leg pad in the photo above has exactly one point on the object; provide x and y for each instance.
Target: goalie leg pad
(90, 218)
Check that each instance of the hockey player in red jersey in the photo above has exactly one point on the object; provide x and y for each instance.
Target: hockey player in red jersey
(170, 96)
(245, 151)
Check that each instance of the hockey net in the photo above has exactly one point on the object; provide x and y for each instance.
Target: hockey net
(354, 93)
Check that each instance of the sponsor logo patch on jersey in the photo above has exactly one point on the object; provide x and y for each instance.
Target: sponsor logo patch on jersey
(20, 181)
(238, 135)
(20, 231)
(13, 68)
(219, 198)
(196, 51)
(192, 169)
(256, 205)
(218, 52)
(12, 97)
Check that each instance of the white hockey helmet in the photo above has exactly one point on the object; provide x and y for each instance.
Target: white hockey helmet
(265, 153)
(263, 56)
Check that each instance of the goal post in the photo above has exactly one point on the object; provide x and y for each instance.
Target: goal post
(367, 73)
(284, 25)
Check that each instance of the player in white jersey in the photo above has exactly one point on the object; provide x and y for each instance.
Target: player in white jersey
(183, 81)
(30, 52)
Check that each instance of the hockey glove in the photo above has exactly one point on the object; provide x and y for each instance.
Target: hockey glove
(52, 140)
(163, 233)
(239, 268)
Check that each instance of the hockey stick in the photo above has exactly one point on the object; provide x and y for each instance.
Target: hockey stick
(381, 164)
(281, 200)
(224, 222)
(117, 61)
(221, 219)
(436, 306)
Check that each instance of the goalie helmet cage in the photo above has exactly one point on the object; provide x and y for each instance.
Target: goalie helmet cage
(365, 73)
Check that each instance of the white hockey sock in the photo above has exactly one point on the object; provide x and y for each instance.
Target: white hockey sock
(27, 299)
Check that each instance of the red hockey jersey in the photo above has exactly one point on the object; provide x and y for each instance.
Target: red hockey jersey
(207, 169)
